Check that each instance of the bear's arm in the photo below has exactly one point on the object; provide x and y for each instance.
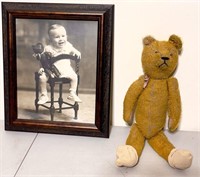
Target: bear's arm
(174, 104)
(131, 97)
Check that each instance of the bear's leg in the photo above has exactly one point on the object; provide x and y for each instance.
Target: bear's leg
(127, 155)
(161, 145)
(136, 139)
(180, 159)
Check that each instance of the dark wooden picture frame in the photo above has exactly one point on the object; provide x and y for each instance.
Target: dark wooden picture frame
(103, 14)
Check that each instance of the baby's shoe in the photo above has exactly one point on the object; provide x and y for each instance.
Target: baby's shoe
(43, 99)
(73, 97)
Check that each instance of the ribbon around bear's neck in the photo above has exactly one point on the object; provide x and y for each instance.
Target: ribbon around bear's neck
(146, 81)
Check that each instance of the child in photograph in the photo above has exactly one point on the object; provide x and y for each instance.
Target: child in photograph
(59, 45)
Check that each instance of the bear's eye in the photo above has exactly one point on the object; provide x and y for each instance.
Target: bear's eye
(172, 52)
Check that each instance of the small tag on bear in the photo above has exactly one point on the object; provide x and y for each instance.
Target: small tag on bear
(146, 80)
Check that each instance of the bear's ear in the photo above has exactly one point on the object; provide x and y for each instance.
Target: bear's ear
(148, 40)
(176, 41)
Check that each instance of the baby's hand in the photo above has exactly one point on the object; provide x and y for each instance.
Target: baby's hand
(41, 70)
(77, 54)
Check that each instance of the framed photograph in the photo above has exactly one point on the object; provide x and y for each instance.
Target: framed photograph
(58, 67)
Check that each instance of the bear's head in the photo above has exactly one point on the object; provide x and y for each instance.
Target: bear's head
(38, 48)
(160, 58)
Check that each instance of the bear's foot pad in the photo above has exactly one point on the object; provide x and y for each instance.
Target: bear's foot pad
(180, 159)
(126, 156)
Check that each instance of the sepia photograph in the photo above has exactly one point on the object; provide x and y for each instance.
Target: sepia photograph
(44, 48)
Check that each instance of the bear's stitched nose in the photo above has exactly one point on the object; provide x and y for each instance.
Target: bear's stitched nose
(164, 58)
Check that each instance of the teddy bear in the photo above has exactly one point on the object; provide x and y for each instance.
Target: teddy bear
(44, 59)
(150, 99)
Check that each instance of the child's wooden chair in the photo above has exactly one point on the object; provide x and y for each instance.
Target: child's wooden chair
(53, 80)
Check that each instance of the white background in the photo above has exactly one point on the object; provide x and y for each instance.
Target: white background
(133, 21)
